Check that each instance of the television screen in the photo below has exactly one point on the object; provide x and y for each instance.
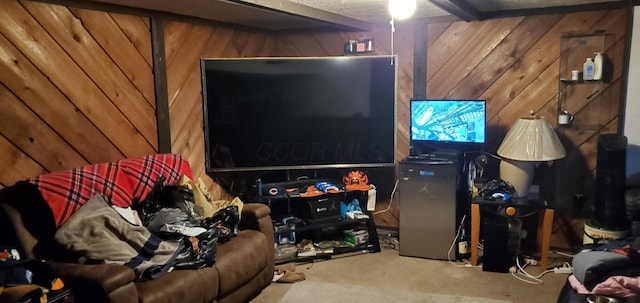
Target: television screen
(455, 121)
(299, 113)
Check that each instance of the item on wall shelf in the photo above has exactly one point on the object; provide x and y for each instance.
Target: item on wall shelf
(597, 66)
(575, 75)
(353, 47)
(588, 69)
(565, 118)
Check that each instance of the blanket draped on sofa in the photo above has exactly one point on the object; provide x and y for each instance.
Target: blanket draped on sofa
(121, 183)
(99, 233)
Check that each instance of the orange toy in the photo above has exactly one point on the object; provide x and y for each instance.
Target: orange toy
(356, 180)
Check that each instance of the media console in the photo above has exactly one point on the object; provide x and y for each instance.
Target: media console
(318, 220)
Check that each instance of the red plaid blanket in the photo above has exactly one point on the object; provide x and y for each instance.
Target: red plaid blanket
(121, 183)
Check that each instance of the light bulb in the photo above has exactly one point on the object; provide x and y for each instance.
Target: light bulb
(402, 9)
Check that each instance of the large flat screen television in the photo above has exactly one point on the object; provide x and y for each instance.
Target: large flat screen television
(448, 121)
(282, 113)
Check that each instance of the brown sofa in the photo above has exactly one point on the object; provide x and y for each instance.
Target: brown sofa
(243, 266)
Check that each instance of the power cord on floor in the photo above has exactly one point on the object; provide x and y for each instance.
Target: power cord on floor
(390, 240)
(563, 254)
(395, 186)
(521, 274)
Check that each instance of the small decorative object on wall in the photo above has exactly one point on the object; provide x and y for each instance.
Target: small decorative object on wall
(353, 47)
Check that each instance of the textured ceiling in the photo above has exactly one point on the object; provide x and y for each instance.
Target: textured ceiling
(376, 10)
(373, 11)
(352, 14)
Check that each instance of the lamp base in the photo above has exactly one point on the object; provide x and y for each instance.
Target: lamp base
(519, 174)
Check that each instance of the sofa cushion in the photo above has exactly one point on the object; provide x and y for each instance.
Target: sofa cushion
(240, 259)
(190, 285)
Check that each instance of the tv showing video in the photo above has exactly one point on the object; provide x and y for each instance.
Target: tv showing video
(457, 121)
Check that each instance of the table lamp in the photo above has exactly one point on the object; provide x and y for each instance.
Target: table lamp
(530, 140)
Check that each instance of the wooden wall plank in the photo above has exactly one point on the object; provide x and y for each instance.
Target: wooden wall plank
(136, 29)
(448, 44)
(503, 56)
(253, 43)
(189, 56)
(217, 44)
(17, 162)
(69, 32)
(187, 114)
(30, 38)
(434, 30)
(119, 48)
(185, 87)
(175, 35)
(531, 64)
(33, 136)
(471, 52)
(34, 89)
(183, 138)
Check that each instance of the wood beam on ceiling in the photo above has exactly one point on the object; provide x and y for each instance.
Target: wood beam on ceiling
(556, 10)
(274, 15)
(460, 8)
(305, 13)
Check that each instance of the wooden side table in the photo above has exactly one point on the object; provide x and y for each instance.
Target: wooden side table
(545, 223)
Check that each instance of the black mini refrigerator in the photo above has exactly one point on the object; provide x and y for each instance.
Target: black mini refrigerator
(431, 192)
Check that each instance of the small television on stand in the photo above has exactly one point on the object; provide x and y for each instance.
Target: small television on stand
(447, 125)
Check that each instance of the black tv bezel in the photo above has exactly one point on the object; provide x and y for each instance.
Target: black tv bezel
(393, 60)
(438, 143)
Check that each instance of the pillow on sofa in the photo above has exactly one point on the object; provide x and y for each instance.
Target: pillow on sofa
(121, 183)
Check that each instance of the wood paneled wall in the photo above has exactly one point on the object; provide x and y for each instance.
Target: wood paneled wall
(513, 63)
(75, 88)
(76, 85)
(185, 45)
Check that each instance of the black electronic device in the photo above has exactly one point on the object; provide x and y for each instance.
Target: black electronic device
(496, 255)
(281, 113)
(321, 209)
(610, 209)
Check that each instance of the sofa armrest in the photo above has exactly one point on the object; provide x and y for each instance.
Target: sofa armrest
(99, 282)
(257, 216)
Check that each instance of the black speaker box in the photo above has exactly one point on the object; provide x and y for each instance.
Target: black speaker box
(322, 209)
(496, 256)
(610, 182)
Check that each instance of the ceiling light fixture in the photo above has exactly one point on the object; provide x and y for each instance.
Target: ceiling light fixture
(402, 9)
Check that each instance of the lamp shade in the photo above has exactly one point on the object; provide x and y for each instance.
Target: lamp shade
(531, 139)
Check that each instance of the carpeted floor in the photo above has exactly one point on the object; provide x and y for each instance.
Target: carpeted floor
(316, 292)
(387, 273)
